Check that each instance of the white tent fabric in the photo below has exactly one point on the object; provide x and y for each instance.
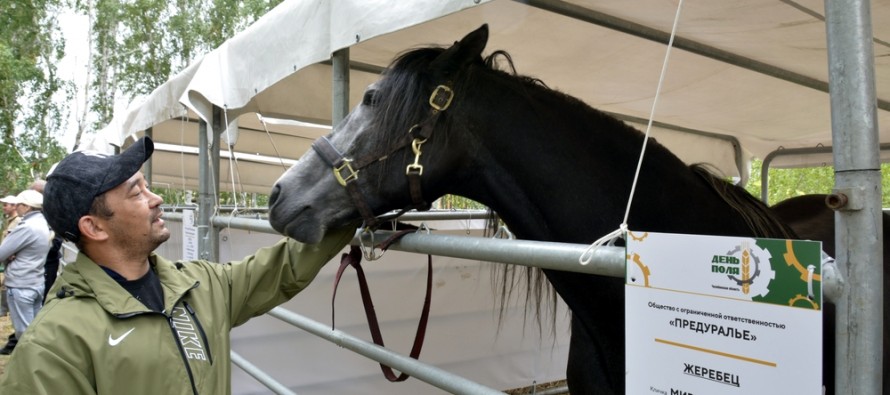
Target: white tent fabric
(721, 78)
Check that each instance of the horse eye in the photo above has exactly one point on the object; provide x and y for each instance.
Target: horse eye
(368, 99)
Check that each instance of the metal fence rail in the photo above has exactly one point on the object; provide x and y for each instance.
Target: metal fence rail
(260, 375)
(442, 379)
(558, 256)
(606, 261)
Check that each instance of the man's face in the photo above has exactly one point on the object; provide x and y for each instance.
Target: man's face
(22, 209)
(136, 222)
(8, 210)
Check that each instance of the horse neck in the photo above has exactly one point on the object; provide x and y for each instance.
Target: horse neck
(562, 171)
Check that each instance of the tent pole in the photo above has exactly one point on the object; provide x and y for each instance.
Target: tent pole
(339, 85)
(857, 196)
(208, 179)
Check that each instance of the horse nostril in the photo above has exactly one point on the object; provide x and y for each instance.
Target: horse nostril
(274, 196)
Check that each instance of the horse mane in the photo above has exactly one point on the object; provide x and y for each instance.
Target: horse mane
(403, 89)
(404, 80)
(408, 74)
(760, 219)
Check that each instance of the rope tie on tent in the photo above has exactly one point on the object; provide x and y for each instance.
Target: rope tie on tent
(271, 141)
(610, 238)
(233, 164)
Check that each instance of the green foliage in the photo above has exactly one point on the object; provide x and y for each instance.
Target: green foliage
(787, 183)
(30, 91)
(178, 197)
(456, 202)
(140, 44)
(29, 159)
(135, 46)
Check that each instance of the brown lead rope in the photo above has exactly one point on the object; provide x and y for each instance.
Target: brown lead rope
(353, 258)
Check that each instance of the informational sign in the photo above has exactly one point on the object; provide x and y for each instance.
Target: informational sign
(189, 236)
(723, 315)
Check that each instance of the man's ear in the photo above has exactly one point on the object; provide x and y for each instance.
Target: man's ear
(92, 228)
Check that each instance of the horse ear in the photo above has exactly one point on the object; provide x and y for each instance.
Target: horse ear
(462, 53)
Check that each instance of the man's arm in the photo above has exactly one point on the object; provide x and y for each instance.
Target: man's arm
(275, 274)
(12, 243)
(38, 371)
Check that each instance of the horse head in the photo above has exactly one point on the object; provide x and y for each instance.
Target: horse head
(388, 153)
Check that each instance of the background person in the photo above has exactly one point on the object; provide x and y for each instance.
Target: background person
(11, 219)
(28, 244)
(123, 320)
(53, 257)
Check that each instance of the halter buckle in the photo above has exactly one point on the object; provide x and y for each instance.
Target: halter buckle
(338, 172)
(441, 98)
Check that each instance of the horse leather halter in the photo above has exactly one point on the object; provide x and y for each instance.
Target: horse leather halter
(354, 258)
(346, 170)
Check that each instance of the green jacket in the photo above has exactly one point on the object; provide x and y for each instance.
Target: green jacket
(93, 337)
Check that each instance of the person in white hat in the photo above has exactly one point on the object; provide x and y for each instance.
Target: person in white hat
(27, 245)
(12, 219)
(54, 257)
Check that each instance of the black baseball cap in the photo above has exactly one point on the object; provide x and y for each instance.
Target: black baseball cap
(75, 182)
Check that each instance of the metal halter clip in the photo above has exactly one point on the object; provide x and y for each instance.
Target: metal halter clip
(441, 98)
(415, 146)
(352, 174)
(368, 246)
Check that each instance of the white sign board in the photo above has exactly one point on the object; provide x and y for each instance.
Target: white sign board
(723, 315)
(189, 236)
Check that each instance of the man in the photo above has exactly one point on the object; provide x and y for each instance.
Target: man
(27, 246)
(123, 320)
(54, 256)
(12, 219)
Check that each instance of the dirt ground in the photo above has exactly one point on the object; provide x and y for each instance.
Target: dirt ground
(538, 388)
(5, 330)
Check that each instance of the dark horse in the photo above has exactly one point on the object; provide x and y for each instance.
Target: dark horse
(552, 167)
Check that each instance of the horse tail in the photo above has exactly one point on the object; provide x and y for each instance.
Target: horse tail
(761, 220)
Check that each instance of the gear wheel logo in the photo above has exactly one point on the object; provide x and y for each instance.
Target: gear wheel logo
(751, 277)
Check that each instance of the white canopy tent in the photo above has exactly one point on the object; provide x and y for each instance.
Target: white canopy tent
(745, 78)
(753, 73)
